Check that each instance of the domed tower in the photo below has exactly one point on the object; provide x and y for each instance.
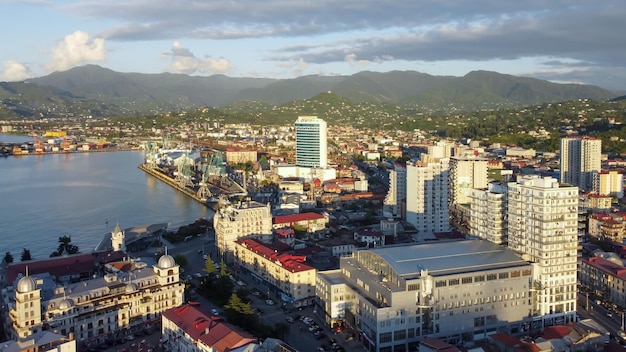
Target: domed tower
(27, 310)
(167, 270)
(118, 241)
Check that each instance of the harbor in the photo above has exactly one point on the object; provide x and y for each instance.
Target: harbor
(201, 176)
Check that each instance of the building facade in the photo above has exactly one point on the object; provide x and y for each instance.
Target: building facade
(192, 328)
(129, 296)
(396, 195)
(311, 142)
(609, 183)
(427, 189)
(245, 219)
(458, 291)
(488, 213)
(287, 276)
(580, 159)
(543, 227)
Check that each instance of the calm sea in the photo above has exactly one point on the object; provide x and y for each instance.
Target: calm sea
(83, 195)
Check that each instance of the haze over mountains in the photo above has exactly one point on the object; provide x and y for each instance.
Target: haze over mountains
(101, 92)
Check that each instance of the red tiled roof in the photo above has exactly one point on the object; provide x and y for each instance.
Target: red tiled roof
(293, 218)
(607, 266)
(556, 332)
(506, 339)
(200, 325)
(290, 262)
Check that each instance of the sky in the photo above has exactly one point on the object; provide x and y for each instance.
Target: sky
(564, 41)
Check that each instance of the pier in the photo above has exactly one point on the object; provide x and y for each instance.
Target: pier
(217, 189)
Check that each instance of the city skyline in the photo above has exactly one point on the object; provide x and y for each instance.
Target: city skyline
(286, 40)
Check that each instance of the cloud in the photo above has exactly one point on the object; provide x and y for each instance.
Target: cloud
(184, 61)
(16, 71)
(76, 49)
(351, 59)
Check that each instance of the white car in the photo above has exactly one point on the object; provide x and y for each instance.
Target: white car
(214, 311)
(269, 302)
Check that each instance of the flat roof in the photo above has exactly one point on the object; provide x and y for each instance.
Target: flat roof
(448, 257)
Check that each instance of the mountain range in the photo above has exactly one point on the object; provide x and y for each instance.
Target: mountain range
(100, 92)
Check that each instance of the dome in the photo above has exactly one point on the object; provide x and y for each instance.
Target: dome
(66, 304)
(26, 284)
(166, 262)
(130, 288)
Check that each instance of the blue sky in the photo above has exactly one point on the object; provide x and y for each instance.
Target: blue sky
(562, 41)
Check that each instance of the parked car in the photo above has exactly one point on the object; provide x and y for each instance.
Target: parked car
(289, 319)
(269, 302)
(214, 311)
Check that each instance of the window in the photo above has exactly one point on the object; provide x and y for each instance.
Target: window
(385, 337)
(399, 335)
(491, 277)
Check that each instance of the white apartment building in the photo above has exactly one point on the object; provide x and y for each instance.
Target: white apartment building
(311, 142)
(427, 189)
(542, 226)
(466, 173)
(245, 219)
(609, 183)
(580, 158)
(392, 205)
(459, 291)
(286, 276)
(129, 296)
(488, 213)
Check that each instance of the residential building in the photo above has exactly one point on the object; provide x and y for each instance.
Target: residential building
(604, 278)
(609, 183)
(580, 158)
(192, 328)
(244, 219)
(542, 226)
(427, 189)
(458, 291)
(311, 142)
(608, 226)
(286, 276)
(396, 195)
(128, 296)
(466, 173)
(488, 213)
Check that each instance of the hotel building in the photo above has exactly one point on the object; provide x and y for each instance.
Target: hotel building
(311, 142)
(488, 213)
(396, 195)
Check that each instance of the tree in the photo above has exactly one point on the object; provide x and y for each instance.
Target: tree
(209, 266)
(8, 258)
(65, 246)
(223, 270)
(26, 255)
(181, 260)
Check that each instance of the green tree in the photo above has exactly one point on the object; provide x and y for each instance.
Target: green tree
(8, 258)
(223, 270)
(65, 246)
(26, 255)
(181, 260)
(209, 266)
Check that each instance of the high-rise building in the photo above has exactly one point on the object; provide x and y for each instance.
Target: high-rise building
(488, 213)
(542, 226)
(580, 158)
(466, 173)
(427, 187)
(396, 195)
(311, 142)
